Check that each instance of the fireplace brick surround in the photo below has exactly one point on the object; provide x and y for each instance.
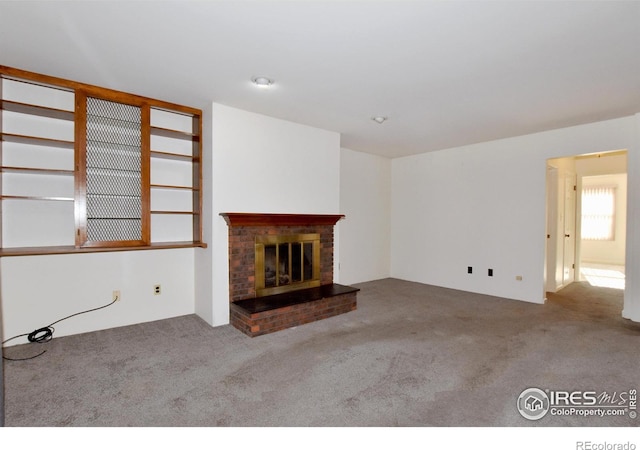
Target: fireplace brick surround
(293, 308)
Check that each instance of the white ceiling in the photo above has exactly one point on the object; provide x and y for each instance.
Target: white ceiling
(445, 73)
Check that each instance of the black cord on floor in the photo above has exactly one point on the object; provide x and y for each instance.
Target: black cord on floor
(45, 334)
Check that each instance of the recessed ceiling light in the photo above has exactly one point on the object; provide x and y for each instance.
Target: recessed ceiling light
(379, 119)
(262, 81)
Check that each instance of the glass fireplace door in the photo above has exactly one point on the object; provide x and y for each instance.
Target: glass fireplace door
(287, 262)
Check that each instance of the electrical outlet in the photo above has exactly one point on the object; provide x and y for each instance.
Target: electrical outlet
(469, 269)
(518, 277)
(116, 296)
(490, 272)
(157, 290)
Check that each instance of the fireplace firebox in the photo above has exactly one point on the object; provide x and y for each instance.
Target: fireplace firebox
(286, 263)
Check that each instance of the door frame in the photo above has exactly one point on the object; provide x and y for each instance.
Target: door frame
(555, 259)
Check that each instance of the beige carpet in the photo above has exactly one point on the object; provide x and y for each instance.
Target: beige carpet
(411, 355)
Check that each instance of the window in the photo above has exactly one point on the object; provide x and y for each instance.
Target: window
(598, 213)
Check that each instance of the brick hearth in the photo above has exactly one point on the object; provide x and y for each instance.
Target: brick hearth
(243, 229)
(263, 315)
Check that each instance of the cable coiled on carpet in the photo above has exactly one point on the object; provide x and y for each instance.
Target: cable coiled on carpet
(45, 334)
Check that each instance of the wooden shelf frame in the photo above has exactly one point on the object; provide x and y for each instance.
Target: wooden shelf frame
(193, 158)
(36, 171)
(174, 134)
(37, 197)
(37, 110)
(78, 117)
(172, 187)
(70, 249)
(35, 140)
(173, 156)
(188, 213)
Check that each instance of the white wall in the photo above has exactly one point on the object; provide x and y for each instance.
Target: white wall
(601, 164)
(365, 233)
(38, 290)
(483, 205)
(264, 165)
(632, 252)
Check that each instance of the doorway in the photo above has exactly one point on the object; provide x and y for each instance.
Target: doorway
(586, 220)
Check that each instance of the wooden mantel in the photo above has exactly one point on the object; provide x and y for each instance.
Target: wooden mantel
(265, 220)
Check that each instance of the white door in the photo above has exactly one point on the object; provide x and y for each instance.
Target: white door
(552, 259)
(569, 229)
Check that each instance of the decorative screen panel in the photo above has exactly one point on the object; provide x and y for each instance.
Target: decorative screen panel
(113, 171)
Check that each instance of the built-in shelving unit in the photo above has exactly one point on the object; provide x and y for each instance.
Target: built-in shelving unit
(175, 171)
(45, 130)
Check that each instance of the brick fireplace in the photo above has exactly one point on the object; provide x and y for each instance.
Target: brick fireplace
(303, 295)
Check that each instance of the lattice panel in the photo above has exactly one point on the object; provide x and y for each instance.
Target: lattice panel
(114, 161)
(114, 230)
